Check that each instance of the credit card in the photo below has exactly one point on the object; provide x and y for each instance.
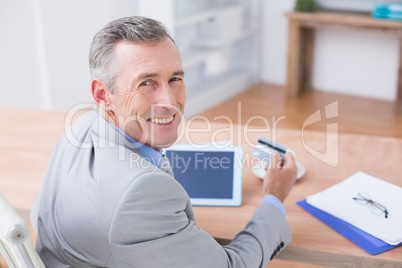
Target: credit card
(264, 148)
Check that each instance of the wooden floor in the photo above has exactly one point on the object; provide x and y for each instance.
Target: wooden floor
(355, 115)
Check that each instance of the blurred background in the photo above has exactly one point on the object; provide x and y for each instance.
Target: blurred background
(227, 46)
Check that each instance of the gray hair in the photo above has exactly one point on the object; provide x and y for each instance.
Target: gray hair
(135, 30)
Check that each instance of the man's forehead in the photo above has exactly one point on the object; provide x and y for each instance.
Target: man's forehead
(143, 52)
(124, 46)
(149, 59)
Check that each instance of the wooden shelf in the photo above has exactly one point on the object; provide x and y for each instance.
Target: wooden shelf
(301, 44)
(351, 19)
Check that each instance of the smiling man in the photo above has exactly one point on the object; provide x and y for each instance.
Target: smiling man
(149, 94)
(99, 209)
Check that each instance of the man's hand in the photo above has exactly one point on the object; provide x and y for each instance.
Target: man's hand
(280, 176)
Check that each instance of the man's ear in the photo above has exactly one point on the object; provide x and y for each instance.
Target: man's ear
(100, 94)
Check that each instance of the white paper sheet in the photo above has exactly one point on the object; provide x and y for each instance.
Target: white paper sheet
(338, 201)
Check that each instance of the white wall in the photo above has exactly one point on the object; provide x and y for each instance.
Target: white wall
(350, 61)
(274, 40)
(63, 32)
(18, 57)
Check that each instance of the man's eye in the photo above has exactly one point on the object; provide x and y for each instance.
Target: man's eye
(145, 83)
(174, 79)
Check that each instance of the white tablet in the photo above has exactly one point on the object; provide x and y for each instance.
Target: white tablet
(211, 175)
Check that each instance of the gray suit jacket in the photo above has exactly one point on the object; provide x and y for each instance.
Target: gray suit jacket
(103, 205)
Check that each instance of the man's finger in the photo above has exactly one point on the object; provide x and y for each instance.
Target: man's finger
(289, 159)
(275, 160)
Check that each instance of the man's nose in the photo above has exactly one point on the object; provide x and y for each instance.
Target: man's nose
(166, 95)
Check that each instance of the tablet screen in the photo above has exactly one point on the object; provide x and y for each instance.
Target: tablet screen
(204, 174)
(210, 176)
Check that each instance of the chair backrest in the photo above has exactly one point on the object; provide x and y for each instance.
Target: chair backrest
(16, 243)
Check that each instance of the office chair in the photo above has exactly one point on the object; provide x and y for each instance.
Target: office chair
(16, 243)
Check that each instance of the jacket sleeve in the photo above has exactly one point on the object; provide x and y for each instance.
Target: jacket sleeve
(150, 228)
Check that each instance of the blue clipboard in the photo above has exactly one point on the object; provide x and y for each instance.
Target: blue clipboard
(364, 240)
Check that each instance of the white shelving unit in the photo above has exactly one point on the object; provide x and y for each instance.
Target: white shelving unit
(219, 44)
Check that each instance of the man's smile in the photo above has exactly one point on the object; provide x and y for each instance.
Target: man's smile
(161, 120)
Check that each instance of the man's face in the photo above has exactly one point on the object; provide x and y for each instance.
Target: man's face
(149, 93)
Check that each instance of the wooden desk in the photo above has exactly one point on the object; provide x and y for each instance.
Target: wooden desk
(27, 138)
(301, 44)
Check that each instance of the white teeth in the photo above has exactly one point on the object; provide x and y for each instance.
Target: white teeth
(161, 120)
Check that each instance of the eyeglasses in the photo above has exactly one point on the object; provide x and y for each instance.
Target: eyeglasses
(375, 207)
